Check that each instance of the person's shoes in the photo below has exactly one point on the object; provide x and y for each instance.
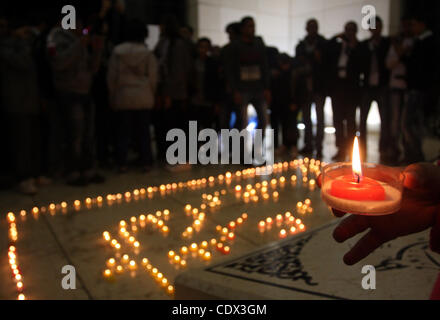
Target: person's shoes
(178, 167)
(147, 169)
(96, 178)
(28, 187)
(123, 169)
(43, 181)
(80, 181)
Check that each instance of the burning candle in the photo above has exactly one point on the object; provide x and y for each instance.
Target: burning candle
(283, 233)
(376, 191)
(355, 186)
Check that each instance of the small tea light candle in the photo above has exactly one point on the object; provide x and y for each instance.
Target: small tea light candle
(204, 244)
(170, 289)
(364, 189)
(207, 256)
(184, 250)
(111, 262)
(132, 265)
(193, 247)
(283, 233)
(107, 273)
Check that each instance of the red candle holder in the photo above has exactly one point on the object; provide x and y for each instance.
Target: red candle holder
(378, 191)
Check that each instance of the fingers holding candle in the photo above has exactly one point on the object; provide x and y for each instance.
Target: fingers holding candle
(350, 226)
(366, 245)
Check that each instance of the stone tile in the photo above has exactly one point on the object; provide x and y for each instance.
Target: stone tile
(309, 266)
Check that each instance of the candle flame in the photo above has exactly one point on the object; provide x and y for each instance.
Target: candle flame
(356, 159)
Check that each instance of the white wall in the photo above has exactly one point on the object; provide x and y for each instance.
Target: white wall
(281, 22)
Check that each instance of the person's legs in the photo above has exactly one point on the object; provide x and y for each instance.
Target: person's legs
(365, 105)
(25, 150)
(75, 128)
(289, 123)
(88, 143)
(141, 124)
(275, 122)
(411, 123)
(381, 97)
(337, 103)
(308, 132)
(396, 103)
(123, 128)
(319, 107)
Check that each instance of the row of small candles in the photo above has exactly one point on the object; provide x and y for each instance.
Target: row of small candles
(13, 256)
(130, 264)
(288, 221)
(306, 166)
(203, 250)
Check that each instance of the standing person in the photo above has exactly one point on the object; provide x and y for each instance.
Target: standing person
(285, 104)
(399, 50)
(227, 104)
(421, 66)
(21, 105)
(109, 23)
(248, 74)
(274, 71)
(132, 80)
(205, 99)
(344, 80)
(311, 52)
(375, 88)
(175, 66)
(75, 58)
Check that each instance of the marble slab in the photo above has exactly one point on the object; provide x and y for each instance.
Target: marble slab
(309, 266)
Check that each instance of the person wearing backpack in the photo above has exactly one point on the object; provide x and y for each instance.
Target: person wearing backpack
(132, 79)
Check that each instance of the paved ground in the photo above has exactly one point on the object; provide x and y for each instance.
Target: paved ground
(46, 242)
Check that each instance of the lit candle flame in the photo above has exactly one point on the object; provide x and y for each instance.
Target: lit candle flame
(356, 160)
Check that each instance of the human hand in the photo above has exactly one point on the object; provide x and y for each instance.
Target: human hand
(419, 210)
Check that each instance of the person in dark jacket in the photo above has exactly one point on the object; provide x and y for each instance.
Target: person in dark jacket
(227, 106)
(344, 80)
(75, 58)
(248, 74)
(175, 69)
(311, 51)
(287, 94)
(421, 65)
(375, 88)
(20, 100)
(205, 97)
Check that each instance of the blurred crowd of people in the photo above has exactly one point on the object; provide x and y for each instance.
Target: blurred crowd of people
(73, 101)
